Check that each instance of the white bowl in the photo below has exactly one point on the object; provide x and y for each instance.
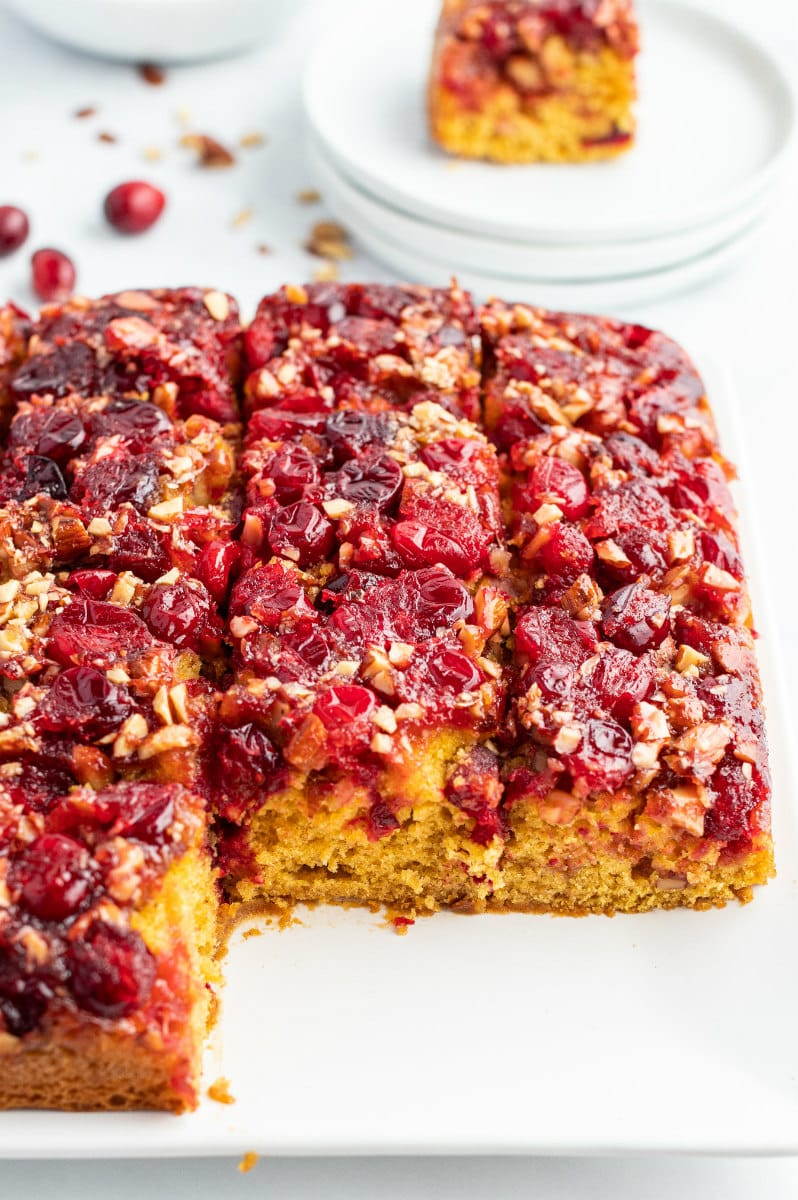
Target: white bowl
(161, 31)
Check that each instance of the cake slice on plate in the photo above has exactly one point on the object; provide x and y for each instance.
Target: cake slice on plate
(519, 81)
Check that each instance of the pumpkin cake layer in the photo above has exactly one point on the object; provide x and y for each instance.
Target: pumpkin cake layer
(519, 81)
(460, 620)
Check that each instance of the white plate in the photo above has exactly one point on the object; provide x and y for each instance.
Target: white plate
(716, 121)
(590, 295)
(662, 1032)
(163, 31)
(523, 260)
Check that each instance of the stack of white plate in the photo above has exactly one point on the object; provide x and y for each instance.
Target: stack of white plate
(716, 123)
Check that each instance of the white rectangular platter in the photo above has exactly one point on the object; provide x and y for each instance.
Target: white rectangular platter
(504, 1034)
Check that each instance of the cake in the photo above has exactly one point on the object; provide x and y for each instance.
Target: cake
(518, 81)
(452, 615)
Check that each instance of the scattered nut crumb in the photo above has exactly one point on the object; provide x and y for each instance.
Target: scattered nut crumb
(210, 153)
(88, 111)
(248, 1162)
(30, 155)
(252, 932)
(327, 273)
(152, 153)
(151, 74)
(250, 141)
(105, 136)
(220, 1091)
(242, 218)
(308, 196)
(262, 248)
(328, 239)
(183, 115)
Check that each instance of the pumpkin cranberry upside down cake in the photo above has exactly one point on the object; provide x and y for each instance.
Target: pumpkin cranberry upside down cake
(388, 598)
(520, 81)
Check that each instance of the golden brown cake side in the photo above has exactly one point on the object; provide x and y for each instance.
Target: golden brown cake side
(519, 81)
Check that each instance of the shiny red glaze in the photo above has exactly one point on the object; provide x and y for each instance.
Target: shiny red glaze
(216, 566)
(636, 618)
(181, 613)
(554, 481)
(83, 701)
(301, 533)
(55, 877)
(96, 584)
(292, 470)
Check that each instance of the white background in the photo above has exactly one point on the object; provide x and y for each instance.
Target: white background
(54, 166)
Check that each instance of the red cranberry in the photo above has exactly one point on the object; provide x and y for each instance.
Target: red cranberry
(436, 600)
(376, 482)
(43, 478)
(622, 679)
(89, 631)
(215, 567)
(550, 635)
(292, 470)
(380, 821)
(65, 369)
(301, 533)
(179, 613)
(61, 435)
(110, 482)
(735, 798)
(344, 705)
(111, 971)
(53, 275)
(268, 594)
(349, 430)
(476, 789)
(636, 619)
(421, 546)
(141, 548)
(454, 671)
(555, 680)
(83, 700)
(14, 229)
(146, 811)
(604, 759)
(55, 877)
(567, 553)
(133, 207)
(137, 422)
(97, 584)
(259, 343)
(246, 765)
(555, 481)
(449, 455)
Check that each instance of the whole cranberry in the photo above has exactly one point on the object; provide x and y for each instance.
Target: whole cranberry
(111, 971)
(133, 207)
(14, 229)
(53, 274)
(55, 877)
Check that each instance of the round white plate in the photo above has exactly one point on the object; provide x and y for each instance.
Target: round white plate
(558, 263)
(586, 295)
(717, 116)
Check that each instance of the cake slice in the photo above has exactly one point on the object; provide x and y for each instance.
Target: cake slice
(639, 774)
(519, 81)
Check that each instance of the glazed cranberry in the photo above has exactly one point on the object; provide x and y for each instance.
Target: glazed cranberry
(111, 971)
(345, 705)
(97, 584)
(292, 470)
(301, 533)
(65, 369)
(380, 821)
(268, 594)
(14, 229)
(113, 481)
(453, 456)
(53, 275)
(735, 797)
(215, 567)
(141, 548)
(550, 635)
(622, 679)
(258, 343)
(454, 671)
(476, 789)
(43, 478)
(61, 435)
(636, 619)
(24, 1003)
(716, 548)
(604, 759)
(246, 763)
(178, 613)
(133, 207)
(631, 454)
(555, 681)
(555, 481)
(309, 643)
(137, 422)
(435, 600)
(567, 553)
(349, 431)
(420, 546)
(375, 481)
(55, 877)
(90, 630)
(83, 700)
(146, 811)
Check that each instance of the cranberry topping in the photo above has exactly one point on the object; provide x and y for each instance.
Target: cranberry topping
(52, 275)
(145, 811)
(14, 229)
(567, 552)
(216, 566)
(268, 594)
(43, 478)
(603, 760)
(474, 787)
(97, 584)
(67, 368)
(246, 766)
(550, 635)
(140, 548)
(380, 821)
(555, 481)
(90, 631)
(83, 700)
(622, 679)
(60, 435)
(636, 619)
(133, 207)
(107, 484)
(374, 481)
(55, 877)
(301, 533)
(454, 671)
(180, 613)
(349, 431)
(293, 471)
(420, 546)
(137, 422)
(344, 706)
(111, 971)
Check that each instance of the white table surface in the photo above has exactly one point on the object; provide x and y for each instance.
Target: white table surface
(53, 165)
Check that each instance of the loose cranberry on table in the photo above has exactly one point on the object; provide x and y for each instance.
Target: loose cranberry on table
(134, 207)
(14, 229)
(53, 275)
